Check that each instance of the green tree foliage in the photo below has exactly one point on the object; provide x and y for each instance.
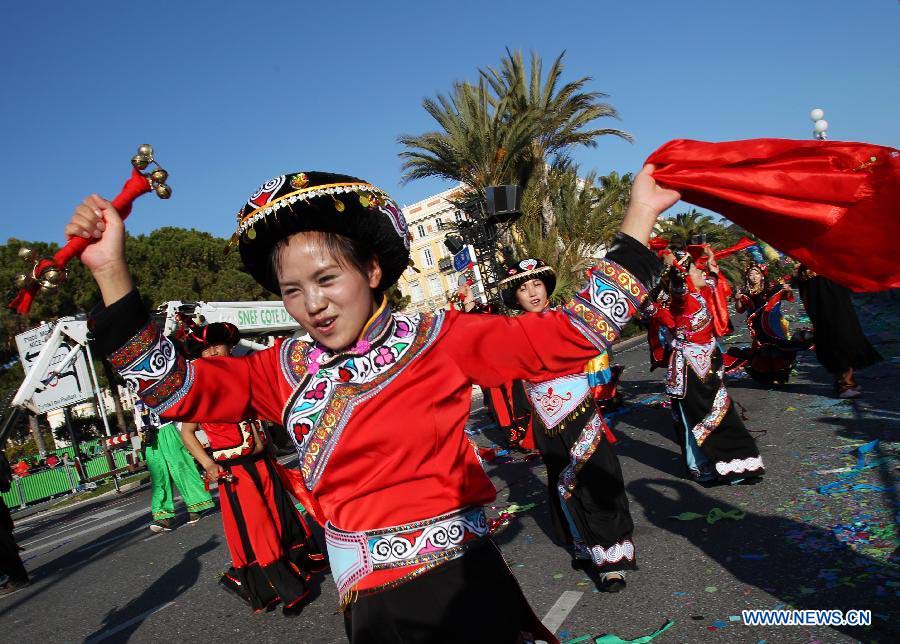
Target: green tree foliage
(167, 264)
(507, 127)
(679, 228)
(562, 115)
(588, 211)
(397, 299)
(519, 125)
(481, 141)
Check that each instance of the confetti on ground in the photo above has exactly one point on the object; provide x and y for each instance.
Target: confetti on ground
(714, 515)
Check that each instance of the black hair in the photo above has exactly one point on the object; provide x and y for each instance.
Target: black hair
(348, 252)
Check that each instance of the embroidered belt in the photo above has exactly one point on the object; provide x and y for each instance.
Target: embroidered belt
(354, 555)
(241, 460)
(556, 400)
(703, 336)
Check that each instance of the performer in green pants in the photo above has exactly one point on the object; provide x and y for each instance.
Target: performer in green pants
(168, 460)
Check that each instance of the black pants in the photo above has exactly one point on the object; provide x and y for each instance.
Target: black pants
(471, 599)
(10, 561)
(598, 505)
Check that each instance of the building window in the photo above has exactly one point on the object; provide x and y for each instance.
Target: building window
(421, 230)
(429, 258)
(440, 224)
(434, 286)
(415, 292)
(459, 216)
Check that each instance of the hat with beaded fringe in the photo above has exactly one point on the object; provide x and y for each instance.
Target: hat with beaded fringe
(523, 271)
(323, 202)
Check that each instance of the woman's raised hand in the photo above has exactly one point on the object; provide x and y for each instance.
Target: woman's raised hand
(648, 201)
(95, 218)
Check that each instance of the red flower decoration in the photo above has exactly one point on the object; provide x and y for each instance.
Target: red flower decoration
(316, 394)
(301, 430)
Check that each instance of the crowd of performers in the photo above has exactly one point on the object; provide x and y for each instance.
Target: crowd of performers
(377, 401)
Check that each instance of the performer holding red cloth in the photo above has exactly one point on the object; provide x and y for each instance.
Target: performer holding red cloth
(377, 403)
(272, 549)
(831, 205)
(714, 442)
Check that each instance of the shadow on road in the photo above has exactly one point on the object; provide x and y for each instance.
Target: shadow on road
(165, 589)
(764, 551)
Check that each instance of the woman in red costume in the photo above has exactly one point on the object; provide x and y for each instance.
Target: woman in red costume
(272, 550)
(377, 403)
(588, 503)
(714, 442)
(771, 356)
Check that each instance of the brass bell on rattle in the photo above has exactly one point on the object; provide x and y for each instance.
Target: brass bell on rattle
(140, 161)
(27, 254)
(53, 276)
(23, 280)
(163, 191)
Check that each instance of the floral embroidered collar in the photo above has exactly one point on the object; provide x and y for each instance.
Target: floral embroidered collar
(333, 384)
(374, 330)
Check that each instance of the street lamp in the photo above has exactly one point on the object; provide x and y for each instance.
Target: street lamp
(820, 125)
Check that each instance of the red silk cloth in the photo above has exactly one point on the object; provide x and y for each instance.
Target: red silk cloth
(136, 185)
(743, 244)
(829, 204)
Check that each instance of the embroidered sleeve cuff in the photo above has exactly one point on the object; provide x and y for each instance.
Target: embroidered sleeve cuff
(114, 325)
(611, 297)
(152, 368)
(635, 258)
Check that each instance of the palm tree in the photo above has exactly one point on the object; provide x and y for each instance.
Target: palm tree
(563, 114)
(506, 130)
(681, 227)
(479, 144)
(587, 217)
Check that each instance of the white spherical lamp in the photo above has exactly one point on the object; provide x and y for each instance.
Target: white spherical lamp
(820, 126)
(817, 114)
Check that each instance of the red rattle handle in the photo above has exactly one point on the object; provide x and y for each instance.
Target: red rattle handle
(47, 272)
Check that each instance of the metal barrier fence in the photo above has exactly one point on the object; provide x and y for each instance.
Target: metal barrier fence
(62, 479)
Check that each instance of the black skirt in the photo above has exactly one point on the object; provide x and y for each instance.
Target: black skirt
(474, 598)
(598, 505)
(729, 447)
(840, 341)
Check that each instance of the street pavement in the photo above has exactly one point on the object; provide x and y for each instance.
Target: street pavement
(818, 533)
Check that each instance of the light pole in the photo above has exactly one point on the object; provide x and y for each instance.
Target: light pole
(820, 125)
(481, 231)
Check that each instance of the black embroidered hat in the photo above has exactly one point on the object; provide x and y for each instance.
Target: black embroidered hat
(521, 272)
(325, 202)
(195, 338)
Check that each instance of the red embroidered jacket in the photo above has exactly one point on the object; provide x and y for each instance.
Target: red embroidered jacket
(689, 327)
(380, 435)
(233, 440)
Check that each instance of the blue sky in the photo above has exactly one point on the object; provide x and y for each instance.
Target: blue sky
(232, 93)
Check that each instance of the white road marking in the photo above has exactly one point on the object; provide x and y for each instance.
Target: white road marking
(76, 524)
(118, 537)
(106, 634)
(561, 609)
(103, 526)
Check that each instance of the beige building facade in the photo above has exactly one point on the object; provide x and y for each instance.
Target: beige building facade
(434, 279)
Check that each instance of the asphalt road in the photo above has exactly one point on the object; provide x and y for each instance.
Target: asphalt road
(101, 576)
